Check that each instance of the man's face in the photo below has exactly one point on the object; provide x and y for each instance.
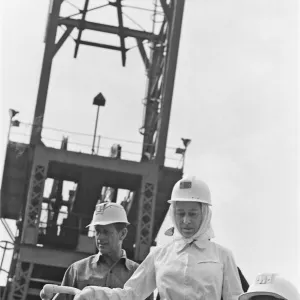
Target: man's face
(107, 238)
(188, 217)
(265, 297)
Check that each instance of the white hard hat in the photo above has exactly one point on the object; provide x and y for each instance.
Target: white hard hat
(271, 284)
(109, 213)
(190, 188)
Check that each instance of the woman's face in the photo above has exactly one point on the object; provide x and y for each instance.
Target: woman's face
(188, 217)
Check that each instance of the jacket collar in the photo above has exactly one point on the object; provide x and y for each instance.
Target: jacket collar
(123, 259)
(182, 243)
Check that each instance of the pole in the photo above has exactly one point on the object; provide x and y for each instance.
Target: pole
(183, 160)
(45, 72)
(98, 146)
(9, 129)
(95, 131)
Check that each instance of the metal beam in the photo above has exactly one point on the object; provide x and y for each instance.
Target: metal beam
(153, 95)
(34, 202)
(20, 284)
(158, 61)
(167, 10)
(63, 39)
(99, 45)
(121, 31)
(45, 73)
(144, 35)
(81, 27)
(169, 79)
(146, 212)
(121, 166)
(49, 257)
(152, 101)
(143, 53)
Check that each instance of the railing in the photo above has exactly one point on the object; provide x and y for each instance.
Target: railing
(7, 248)
(63, 220)
(61, 229)
(82, 142)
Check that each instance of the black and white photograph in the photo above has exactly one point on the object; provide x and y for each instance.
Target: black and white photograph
(149, 149)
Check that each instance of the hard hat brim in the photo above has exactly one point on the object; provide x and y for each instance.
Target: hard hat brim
(188, 200)
(248, 295)
(105, 223)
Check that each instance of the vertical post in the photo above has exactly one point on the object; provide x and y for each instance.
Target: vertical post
(21, 281)
(30, 228)
(98, 145)
(169, 79)
(146, 213)
(34, 202)
(9, 129)
(54, 9)
(183, 162)
(95, 131)
(151, 109)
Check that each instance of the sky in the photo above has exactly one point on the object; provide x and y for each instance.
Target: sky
(235, 96)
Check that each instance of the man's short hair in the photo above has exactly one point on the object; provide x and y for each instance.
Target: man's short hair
(120, 226)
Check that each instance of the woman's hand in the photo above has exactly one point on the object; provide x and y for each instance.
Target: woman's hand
(45, 296)
(86, 294)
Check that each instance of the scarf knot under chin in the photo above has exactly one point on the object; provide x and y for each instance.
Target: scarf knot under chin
(201, 237)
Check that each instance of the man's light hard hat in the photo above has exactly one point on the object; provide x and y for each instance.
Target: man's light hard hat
(109, 213)
(271, 284)
(192, 189)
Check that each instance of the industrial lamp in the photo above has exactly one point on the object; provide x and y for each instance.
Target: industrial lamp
(182, 151)
(99, 100)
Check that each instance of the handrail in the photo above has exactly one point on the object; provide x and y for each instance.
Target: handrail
(5, 249)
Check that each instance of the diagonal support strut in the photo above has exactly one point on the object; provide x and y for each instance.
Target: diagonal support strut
(63, 39)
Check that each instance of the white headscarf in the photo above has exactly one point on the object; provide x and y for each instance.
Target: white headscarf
(204, 233)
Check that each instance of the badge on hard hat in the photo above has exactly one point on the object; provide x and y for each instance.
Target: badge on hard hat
(100, 208)
(185, 185)
(264, 279)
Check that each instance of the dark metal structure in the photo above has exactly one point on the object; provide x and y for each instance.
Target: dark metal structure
(52, 231)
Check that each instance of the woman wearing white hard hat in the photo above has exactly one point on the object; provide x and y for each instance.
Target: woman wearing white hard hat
(271, 286)
(191, 266)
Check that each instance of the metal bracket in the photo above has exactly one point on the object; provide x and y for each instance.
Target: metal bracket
(63, 39)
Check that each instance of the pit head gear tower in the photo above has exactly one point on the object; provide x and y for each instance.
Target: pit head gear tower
(46, 243)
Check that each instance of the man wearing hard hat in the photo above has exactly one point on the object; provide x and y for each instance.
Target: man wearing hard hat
(110, 267)
(271, 286)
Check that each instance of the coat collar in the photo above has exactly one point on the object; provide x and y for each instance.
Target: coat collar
(182, 244)
(123, 259)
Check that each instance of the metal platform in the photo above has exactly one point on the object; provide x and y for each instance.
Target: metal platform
(58, 246)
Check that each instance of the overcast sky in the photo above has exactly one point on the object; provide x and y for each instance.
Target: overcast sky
(235, 96)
